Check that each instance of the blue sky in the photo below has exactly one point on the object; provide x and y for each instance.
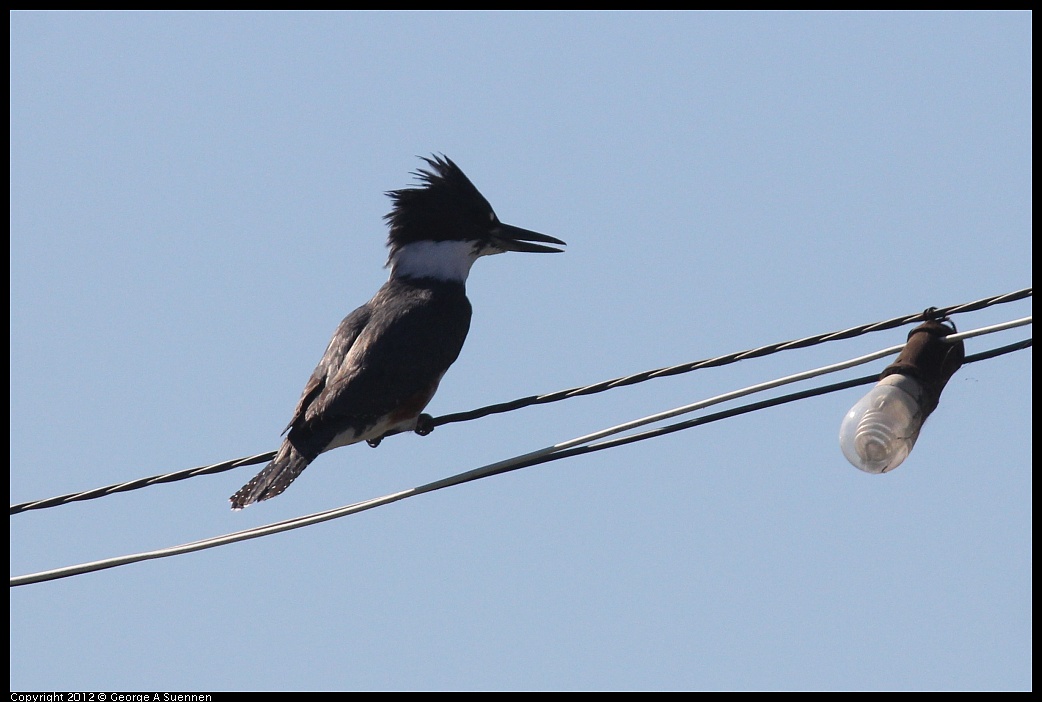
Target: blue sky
(196, 202)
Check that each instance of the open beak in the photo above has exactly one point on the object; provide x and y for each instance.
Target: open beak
(511, 238)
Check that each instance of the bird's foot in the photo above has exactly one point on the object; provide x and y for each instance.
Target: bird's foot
(373, 443)
(424, 424)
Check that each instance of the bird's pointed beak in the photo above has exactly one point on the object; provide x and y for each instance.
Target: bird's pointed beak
(511, 238)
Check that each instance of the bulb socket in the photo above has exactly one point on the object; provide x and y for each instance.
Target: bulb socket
(930, 360)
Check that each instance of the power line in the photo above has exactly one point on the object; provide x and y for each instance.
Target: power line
(729, 358)
(564, 450)
(142, 482)
(521, 403)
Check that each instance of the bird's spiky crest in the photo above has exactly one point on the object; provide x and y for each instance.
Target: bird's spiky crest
(444, 207)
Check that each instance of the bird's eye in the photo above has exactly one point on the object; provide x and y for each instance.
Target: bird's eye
(491, 216)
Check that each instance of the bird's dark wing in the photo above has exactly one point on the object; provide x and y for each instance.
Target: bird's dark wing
(412, 333)
(293, 457)
(339, 346)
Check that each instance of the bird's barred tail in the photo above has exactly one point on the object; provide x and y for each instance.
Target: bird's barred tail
(273, 480)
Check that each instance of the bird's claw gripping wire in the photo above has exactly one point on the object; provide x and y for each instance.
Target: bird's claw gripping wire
(424, 426)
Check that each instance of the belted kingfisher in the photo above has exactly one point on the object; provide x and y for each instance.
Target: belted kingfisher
(386, 358)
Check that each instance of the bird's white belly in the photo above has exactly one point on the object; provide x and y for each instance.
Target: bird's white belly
(351, 436)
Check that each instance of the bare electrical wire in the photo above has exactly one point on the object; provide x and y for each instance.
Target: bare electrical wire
(559, 451)
(555, 396)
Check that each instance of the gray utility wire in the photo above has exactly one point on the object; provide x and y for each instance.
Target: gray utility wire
(497, 468)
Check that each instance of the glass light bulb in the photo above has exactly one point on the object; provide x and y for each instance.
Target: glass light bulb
(879, 431)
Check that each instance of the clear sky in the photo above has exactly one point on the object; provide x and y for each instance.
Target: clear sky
(196, 202)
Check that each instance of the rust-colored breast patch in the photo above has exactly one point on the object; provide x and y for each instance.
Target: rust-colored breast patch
(411, 407)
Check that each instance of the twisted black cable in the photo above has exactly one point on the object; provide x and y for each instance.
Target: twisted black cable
(556, 396)
(142, 482)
